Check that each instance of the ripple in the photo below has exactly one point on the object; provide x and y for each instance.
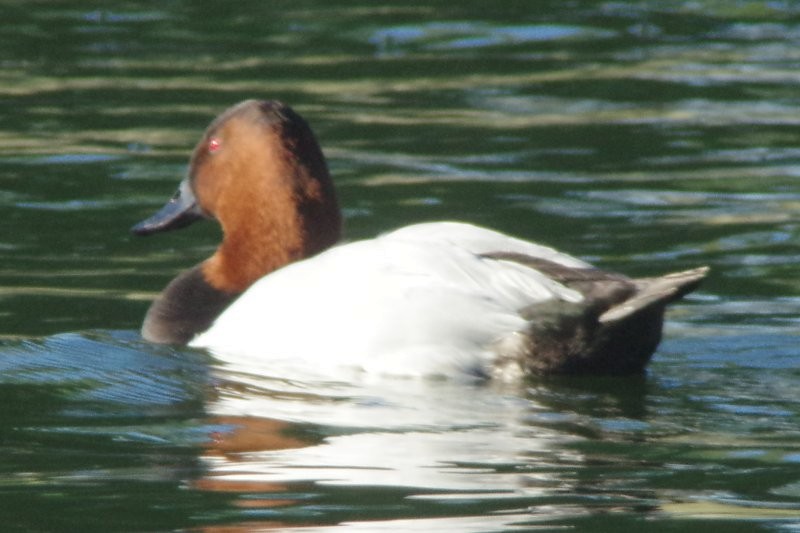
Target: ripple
(472, 35)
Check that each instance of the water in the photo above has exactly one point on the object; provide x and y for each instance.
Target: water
(642, 136)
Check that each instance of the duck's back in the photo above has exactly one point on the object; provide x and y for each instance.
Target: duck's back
(425, 299)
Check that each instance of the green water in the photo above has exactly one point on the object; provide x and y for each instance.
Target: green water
(642, 136)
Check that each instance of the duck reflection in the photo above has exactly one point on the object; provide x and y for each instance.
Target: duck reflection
(287, 447)
(436, 444)
(426, 437)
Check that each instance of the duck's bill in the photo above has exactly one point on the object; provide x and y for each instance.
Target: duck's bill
(179, 212)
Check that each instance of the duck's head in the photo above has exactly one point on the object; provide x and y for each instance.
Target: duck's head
(260, 172)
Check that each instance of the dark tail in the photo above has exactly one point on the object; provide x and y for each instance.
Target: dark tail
(656, 291)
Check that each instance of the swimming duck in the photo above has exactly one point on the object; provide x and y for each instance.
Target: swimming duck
(433, 298)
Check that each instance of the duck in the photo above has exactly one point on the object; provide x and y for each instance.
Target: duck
(437, 298)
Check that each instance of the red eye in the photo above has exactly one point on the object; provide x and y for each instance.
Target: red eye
(214, 145)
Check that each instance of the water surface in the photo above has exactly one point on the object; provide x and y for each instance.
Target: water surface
(642, 136)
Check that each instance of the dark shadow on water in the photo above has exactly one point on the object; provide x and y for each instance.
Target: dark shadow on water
(597, 396)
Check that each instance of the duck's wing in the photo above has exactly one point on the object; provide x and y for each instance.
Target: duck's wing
(614, 329)
(613, 296)
(481, 241)
(656, 291)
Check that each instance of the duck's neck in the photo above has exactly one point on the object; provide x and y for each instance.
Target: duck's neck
(246, 256)
(301, 221)
(192, 301)
(186, 307)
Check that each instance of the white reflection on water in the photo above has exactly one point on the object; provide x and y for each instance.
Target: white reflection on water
(435, 435)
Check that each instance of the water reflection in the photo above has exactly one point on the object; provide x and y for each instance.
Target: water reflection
(276, 443)
(286, 445)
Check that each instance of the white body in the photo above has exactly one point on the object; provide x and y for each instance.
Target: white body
(417, 301)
